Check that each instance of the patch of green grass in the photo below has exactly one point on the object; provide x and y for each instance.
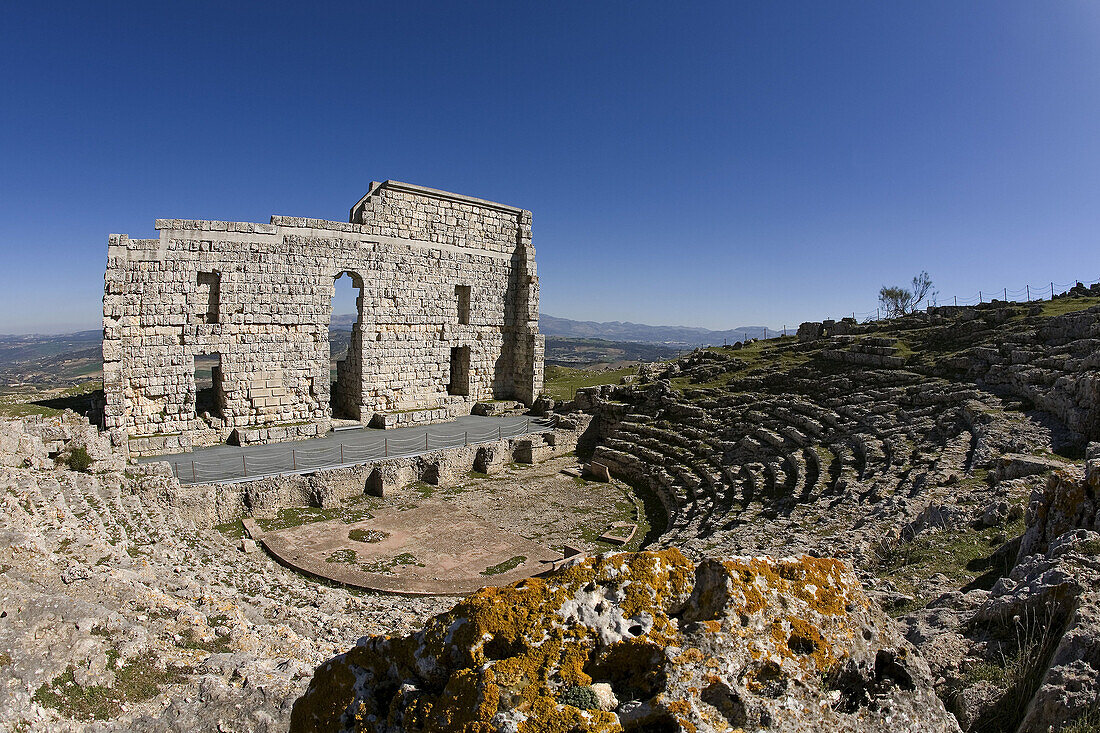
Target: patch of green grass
(135, 682)
(504, 567)
(231, 530)
(1088, 722)
(682, 384)
(902, 349)
(343, 556)
(386, 565)
(624, 510)
(24, 409)
(217, 645)
(1041, 453)
(562, 382)
(761, 356)
(964, 555)
(1062, 306)
(1029, 641)
(352, 510)
(1090, 547)
(367, 535)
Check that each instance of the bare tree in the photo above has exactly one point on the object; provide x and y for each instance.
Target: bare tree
(898, 301)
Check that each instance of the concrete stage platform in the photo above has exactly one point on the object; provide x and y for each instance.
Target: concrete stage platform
(433, 548)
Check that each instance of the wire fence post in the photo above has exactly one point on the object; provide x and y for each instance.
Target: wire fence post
(387, 447)
(176, 466)
(193, 471)
(1052, 291)
(293, 460)
(956, 301)
(1006, 295)
(1028, 288)
(425, 441)
(465, 437)
(244, 464)
(341, 453)
(527, 426)
(500, 433)
(980, 297)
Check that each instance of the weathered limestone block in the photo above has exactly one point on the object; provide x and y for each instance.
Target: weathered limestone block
(643, 641)
(493, 457)
(1016, 465)
(810, 331)
(1067, 502)
(532, 450)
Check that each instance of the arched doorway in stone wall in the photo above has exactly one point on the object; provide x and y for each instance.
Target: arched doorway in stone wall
(346, 346)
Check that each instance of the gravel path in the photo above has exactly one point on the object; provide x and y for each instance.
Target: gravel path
(229, 464)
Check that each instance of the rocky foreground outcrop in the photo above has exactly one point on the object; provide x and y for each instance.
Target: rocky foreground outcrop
(641, 642)
(1025, 655)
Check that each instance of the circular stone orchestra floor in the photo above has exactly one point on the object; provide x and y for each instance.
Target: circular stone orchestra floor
(427, 540)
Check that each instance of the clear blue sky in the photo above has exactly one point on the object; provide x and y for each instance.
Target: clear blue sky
(710, 164)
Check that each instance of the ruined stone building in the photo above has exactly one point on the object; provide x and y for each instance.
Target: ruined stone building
(447, 316)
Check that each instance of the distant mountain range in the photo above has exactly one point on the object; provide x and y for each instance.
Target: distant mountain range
(674, 336)
(52, 360)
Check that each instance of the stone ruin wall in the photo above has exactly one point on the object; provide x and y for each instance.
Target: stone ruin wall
(260, 297)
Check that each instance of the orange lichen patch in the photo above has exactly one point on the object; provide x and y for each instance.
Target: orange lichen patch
(510, 646)
(818, 582)
(669, 577)
(520, 647)
(689, 656)
(546, 716)
(681, 710)
(805, 642)
(330, 693)
(467, 704)
(760, 678)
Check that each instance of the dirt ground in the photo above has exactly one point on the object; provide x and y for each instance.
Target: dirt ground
(485, 531)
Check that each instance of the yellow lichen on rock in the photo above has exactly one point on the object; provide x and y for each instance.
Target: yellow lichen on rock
(729, 644)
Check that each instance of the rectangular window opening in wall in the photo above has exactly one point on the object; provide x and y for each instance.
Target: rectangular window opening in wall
(209, 389)
(210, 285)
(462, 294)
(460, 371)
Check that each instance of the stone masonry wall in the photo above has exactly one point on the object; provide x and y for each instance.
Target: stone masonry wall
(260, 297)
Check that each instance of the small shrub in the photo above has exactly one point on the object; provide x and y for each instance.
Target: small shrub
(1033, 638)
(79, 460)
(583, 698)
